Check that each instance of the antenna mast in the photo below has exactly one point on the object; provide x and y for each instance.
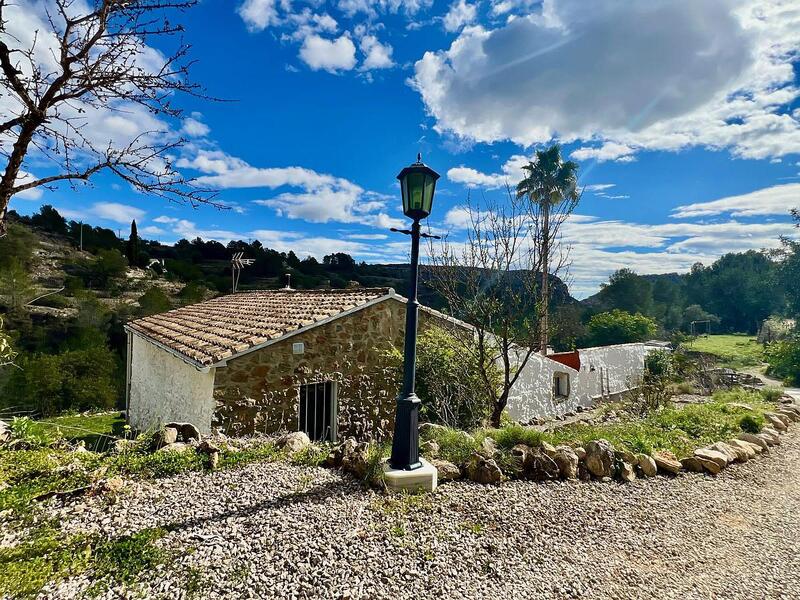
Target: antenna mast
(237, 264)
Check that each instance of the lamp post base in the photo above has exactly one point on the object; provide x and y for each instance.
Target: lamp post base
(425, 478)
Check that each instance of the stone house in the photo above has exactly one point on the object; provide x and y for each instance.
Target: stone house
(310, 360)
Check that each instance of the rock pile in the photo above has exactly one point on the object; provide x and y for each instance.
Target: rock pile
(599, 460)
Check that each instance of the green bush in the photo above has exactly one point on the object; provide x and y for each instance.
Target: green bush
(154, 301)
(751, 423)
(449, 381)
(619, 327)
(784, 359)
(75, 380)
(771, 394)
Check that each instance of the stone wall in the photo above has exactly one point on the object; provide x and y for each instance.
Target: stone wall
(259, 391)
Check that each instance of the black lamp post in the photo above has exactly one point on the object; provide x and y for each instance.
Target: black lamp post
(417, 183)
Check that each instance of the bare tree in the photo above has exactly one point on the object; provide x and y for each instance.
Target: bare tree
(491, 282)
(92, 59)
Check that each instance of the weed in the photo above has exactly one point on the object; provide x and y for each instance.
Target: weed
(476, 528)
(312, 456)
(771, 394)
(46, 556)
(751, 423)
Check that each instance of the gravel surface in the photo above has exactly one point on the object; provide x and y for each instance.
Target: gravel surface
(279, 531)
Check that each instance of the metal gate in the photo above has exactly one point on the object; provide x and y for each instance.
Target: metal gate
(318, 411)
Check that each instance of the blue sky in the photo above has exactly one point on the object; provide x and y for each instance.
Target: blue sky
(684, 117)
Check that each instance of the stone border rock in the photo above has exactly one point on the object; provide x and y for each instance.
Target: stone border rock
(599, 460)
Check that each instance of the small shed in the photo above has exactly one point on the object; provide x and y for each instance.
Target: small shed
(308, 360)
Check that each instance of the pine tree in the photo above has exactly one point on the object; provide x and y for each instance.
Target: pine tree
(133, 246)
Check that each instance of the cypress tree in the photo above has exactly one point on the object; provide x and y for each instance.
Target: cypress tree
(133, 245)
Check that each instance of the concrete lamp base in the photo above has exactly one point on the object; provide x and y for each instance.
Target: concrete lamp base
(423, 479)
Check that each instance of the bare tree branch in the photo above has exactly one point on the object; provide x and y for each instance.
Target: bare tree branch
(99, 62)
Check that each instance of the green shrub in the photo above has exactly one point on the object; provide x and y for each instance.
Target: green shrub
(751, 423)
(30, 433)
(75, 380)
(784, 359)
(153, 301)
(449, 381)
(771, 394)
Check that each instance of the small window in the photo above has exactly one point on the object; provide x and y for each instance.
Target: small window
(560, 385)
(317, 412)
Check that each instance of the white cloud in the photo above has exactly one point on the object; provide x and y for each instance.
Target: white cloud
(598, 187)
(193, 127)
(29, 194)
(459, 14)
(458, 217)
(775, 200)
(258, 14)
(152, 230)
(608, 151)
(328, 55)
(165, 219)
(119, 213)
(367, 236)
(624, 77)
(511, 174)
(376, 54)
(316, 197)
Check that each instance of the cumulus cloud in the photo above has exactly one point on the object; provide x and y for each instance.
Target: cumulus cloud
(328, 55)
(258, 14)
(667, 74)
(36, 193)
(511, 173)
(194, 127)
(310, 196)
(775, 200)
(459, 14)
(376, 54)
(119, 213)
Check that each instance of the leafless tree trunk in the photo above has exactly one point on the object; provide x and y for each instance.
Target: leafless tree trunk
(544, 337)
(491, 281)
(90, 60)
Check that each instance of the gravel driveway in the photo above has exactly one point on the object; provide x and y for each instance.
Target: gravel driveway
(278, 531)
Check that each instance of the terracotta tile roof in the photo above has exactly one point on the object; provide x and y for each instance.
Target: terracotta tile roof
(211, 331)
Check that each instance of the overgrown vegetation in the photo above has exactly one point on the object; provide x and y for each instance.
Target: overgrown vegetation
(449, 382)
(784, 359)
(47, 557)
(679, 430)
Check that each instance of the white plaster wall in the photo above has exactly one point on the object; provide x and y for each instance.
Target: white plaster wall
(620, 367)
(532, 394)
(164, 388)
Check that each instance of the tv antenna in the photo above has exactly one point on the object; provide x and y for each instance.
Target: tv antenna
(237, 264)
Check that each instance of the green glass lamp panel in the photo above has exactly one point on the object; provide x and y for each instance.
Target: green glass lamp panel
(416, 187)
(430, 184)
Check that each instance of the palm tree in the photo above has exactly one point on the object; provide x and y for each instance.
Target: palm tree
(549, 182)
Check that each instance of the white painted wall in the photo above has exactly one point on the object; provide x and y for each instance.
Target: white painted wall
(619, 366)
(164, 388)
(609, 370)
(532, 394)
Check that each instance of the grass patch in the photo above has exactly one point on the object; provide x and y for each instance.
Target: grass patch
(680, 430)
(97, 431)
(48, 557)
(734, 351)
(454, 445)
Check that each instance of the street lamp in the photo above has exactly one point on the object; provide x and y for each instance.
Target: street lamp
(417, 184)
